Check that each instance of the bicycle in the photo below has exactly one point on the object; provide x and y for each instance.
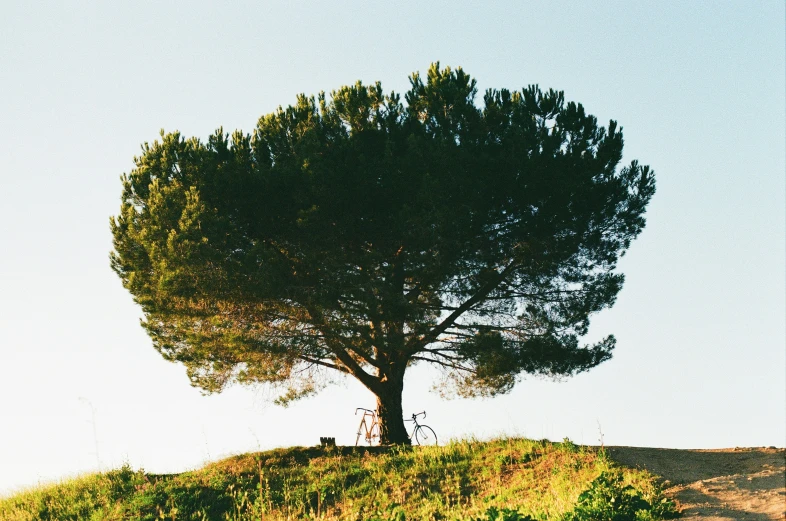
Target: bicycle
(370, 428)
(422, 434)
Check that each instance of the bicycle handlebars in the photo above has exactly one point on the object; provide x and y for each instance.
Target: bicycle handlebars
(416, 415)
(362, 409)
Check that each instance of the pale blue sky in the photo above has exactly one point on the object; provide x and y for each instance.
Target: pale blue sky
(700, 323)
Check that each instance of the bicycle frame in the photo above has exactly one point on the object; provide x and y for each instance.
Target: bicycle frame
(367, 428)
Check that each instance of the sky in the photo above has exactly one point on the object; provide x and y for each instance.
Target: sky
(700, 323)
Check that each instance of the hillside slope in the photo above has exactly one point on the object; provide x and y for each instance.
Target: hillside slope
(508, 479)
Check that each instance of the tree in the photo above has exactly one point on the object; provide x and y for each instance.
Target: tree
(361, 235)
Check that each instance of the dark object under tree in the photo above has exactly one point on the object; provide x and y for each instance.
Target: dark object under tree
(359, 234)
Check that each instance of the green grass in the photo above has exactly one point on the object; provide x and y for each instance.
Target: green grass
(504, 479)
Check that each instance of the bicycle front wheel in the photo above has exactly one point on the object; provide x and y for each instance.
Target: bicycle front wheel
(425, 435)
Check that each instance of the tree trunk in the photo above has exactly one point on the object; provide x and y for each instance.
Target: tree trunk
(390, 414)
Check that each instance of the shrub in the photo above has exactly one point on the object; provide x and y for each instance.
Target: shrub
(608, 498)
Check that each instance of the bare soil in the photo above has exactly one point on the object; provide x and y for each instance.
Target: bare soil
(718, 484)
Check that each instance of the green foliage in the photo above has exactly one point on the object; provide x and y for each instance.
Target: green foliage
(609, 498)
(357, 233)
(88, 498)
(506, 514)
(569, 446)
(506, 479)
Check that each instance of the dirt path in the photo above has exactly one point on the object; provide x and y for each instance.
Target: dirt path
(717, 485)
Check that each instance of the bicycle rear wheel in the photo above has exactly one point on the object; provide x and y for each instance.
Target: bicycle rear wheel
(373, 434)
(425, 435)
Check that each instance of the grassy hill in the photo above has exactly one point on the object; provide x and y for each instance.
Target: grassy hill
(504, 479)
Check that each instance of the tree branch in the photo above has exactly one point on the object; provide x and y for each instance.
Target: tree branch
(323, 364)
(338, 349)
(479, 296)
(443, 363)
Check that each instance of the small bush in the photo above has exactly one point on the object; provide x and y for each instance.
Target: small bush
(608, 498)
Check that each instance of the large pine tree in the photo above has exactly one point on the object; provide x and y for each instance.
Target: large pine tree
(359, 234)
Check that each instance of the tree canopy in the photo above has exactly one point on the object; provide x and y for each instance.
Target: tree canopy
(355, 233)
